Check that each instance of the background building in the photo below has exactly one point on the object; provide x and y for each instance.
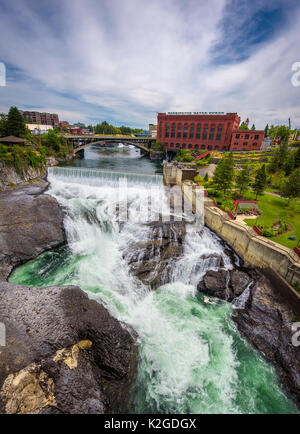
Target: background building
(41, 118)
(153, 130)
(39, 128)
(201, 130)
(246, 140)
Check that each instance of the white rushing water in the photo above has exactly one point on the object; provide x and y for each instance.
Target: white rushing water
(191, 358)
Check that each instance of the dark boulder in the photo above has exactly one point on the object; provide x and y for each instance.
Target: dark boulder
(224, 284)
(30, 223)
(239, 280)
(215, 283)
(151, 260)
(64, 353)
(267, 322)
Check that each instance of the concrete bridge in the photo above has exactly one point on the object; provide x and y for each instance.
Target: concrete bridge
(81, 142)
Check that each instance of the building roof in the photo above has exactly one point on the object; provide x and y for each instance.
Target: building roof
(12, 139)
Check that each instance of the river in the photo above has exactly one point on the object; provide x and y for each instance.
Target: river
(191, 357)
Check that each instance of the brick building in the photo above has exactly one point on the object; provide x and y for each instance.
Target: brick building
(246, 140)
(40, 118)
(201, 130)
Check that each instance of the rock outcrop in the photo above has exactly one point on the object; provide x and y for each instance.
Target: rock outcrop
(267, 322)
(64, 353)
(151, 260)
(30, 223)
(224, 284)
(10, 178)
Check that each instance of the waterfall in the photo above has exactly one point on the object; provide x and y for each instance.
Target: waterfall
(100, 177)
(191, 357)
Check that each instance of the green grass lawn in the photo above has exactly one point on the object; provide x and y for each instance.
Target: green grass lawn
(275, 208)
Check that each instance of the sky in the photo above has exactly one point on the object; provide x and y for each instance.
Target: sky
(125, 60)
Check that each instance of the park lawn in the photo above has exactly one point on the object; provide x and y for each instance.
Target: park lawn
(275, 208)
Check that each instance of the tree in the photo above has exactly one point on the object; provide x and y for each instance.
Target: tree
(291, 187)
(267, 130)
(15, 124)
(2, 125)
(289, 164)
(224, 173)
(297, 158)
(205, 177)
(52, 140)
(253, 128)
(283, 132)
(283, 151)
(243, 179)
(243, 126)
(260, 181)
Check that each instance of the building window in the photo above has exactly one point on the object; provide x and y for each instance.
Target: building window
(247, 136)
(183, 146)
(245, 144)
(255, 144)
(178, 134)
(204, 135)
(171, 145)
(197, 136)
(216, 147)
(177, 145)
(256, 137)
(218, 136)
(196, 146)
(190, 146)
(184, 136)
(203, 147)
(167, 134)
(237, 136)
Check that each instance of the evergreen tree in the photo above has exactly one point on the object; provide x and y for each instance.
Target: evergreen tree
(206, 177)
(2, 125)
(283, 153)
(289, 164)
(253, 128)
(291, 187)
(15, 124)
(297, 158)
(243, 179)
(267, 130)
(224, 173)
(274, 164)
(260, 180)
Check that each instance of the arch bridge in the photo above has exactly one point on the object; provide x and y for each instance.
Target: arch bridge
(81, 142)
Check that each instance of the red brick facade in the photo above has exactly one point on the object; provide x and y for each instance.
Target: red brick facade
(246, 140)
(202, 131)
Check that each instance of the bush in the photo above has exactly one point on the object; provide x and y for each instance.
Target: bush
(198, 178)
(268, 233)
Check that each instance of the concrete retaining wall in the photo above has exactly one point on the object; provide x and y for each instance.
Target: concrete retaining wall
(255, 250)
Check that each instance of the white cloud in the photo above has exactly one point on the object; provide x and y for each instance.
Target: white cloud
(126, 60)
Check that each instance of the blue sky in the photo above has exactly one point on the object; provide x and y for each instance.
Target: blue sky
(125, 60)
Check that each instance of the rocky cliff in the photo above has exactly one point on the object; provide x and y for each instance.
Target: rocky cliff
(64, 353)
(30, 223)
(10, 178)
